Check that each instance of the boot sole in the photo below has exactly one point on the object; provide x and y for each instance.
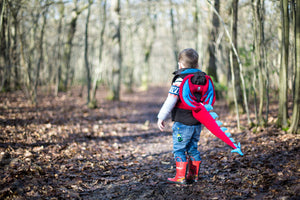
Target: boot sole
(177, 182)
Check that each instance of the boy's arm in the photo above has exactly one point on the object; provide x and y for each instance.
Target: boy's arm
(165, 110)
(168, 105)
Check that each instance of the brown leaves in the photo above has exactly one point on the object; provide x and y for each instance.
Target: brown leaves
(63, 150)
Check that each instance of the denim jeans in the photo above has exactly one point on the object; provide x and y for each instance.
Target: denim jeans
(185, 140)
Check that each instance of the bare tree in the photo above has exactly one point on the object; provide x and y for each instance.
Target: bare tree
(15, 54)
(148, 41)
(196, 26)
(41, 52)
(98, 74)
(117, 50)
(294, 128)
(132, 27)
(5, 41)
(2, 13)
(58, 60)
(69, 44)
(86, 48)
(174, 33)
(282, 111)
(212, 65)
(259, 45)
(239, 63)
(234, 30)
(29, 53)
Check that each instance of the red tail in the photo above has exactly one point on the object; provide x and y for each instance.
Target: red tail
(206, 119)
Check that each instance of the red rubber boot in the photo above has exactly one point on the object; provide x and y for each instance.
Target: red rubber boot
(181, 170)
(193, 172)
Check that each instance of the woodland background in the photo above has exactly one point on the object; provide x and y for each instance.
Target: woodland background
(83, 80)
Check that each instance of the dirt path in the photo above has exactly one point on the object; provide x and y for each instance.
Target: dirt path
(63, 150)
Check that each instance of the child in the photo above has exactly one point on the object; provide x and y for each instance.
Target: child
(186, 129)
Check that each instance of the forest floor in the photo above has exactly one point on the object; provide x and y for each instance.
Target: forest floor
(63, 150)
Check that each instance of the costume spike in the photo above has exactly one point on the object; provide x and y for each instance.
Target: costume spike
(232, 140)
(219, 123)
(238, 150)
(208, 107)
(227, 134)
(214, 115)
(224, 129)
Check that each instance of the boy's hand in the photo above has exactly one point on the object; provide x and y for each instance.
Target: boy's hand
(161, 124)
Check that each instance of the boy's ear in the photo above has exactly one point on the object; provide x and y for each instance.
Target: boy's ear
(180, 65)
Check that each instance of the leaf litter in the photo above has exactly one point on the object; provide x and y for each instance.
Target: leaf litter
(63, 150)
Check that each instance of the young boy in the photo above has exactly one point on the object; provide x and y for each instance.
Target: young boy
(186, 129)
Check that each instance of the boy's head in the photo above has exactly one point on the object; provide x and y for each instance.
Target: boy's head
(188, 58)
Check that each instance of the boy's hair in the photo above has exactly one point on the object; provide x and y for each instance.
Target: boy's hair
(189, 58)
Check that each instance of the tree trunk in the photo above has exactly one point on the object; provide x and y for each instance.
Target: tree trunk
(196, 26)
(98, 73)
(2, 13)
(282, 112)
(69, 44)
(149, 39)
(117, 50)
(41, 56)
(292, 49)
(254, 93)
(129, 68)
(15, 55)
(294, 128)
(259, 45)
(174, 35)
(235, 62)
(86, 48)
(212, 66)
(267, 87)
(234, 90)
(2, 42)
(58, 82)
(5, 45)
(261, 61)
(31, 57)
